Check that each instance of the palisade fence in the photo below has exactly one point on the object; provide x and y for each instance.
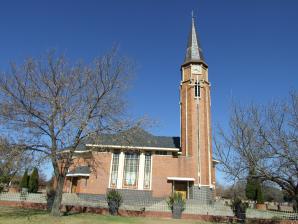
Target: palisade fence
(155, 205)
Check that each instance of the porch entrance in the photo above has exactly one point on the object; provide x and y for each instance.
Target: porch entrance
(74, 185)
(181, 187)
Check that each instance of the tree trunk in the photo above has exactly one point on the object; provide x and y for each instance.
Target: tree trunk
(296, 203)
(58, 197)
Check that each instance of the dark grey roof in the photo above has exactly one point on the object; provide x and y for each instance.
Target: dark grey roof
(194, 52)
(80, 170)
(133, 137)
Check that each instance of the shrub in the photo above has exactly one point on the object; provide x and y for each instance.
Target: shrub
(239, 209)
(1, 187)
(33, 181)
(260, 197)
(25, 180)
(176, 203)
(253, 190)
(250, 189)
(114, 199)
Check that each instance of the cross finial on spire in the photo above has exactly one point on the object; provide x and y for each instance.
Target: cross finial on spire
(192, 14)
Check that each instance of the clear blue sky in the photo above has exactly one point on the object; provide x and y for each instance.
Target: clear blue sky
(251, 46)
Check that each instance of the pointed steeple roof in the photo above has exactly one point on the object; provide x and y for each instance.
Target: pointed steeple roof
(194, 51)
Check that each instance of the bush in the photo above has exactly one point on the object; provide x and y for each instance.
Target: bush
(1, 187)
(177, 204)
(33, 181)
(260, 197)
(25, 180)
(114, 199)
(239, 209)
(253, 190)
(250, 189)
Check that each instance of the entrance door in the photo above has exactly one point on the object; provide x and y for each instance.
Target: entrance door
(74, 184)
(181, 187)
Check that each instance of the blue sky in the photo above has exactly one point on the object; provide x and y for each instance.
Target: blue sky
(251, 46)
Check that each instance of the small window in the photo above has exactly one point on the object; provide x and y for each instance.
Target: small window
(197, 90)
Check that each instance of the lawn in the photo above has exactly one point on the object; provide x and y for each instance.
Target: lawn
(9, 215)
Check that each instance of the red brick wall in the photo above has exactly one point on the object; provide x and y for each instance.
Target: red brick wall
(168, 166)
(98, 181)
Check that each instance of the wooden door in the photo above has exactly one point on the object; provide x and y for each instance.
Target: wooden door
(181, 187)
(74, 185)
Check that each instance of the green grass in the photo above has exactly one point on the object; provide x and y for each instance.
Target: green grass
(9, 215)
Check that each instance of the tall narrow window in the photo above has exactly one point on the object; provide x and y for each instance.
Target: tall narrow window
(147, 171)
(114, 172)
(197, 89)
(131, 169)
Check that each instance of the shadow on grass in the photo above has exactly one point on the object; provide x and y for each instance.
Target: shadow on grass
(9, 212)
(103, 218)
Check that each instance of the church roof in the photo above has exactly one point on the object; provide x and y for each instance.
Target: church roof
(194, 52)
(133, 137)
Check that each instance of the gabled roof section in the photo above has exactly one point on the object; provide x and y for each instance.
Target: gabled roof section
(136, 136)
(194, 52)
(139, 137)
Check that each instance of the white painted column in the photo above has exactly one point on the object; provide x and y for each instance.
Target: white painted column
(187, 190)
(120, 170)
(141, 171)
(173, 187)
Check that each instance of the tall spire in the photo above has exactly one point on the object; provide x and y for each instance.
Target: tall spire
(194, 51)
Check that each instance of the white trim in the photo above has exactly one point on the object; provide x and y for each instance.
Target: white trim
(199, 138)
(187, 189)
(78, 175)
(135, 147)
(76, 151)
(120, 170)
(151, 174)
(208, 135)
(206, 185)
(181, 178)
(215, 161)
(186, 131)
(110, 173)
(141, 171)
(82, 151)
(179, 153)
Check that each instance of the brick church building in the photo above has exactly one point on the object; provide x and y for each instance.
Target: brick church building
(137, 162)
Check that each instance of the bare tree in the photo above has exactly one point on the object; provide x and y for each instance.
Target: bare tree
(52, 104)
(264, 139)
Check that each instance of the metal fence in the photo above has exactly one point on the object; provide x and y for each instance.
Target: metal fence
(219, 208)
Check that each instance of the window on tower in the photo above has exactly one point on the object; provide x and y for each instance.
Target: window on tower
(197, 89)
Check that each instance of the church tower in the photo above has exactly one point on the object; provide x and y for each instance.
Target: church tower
(195, 111)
